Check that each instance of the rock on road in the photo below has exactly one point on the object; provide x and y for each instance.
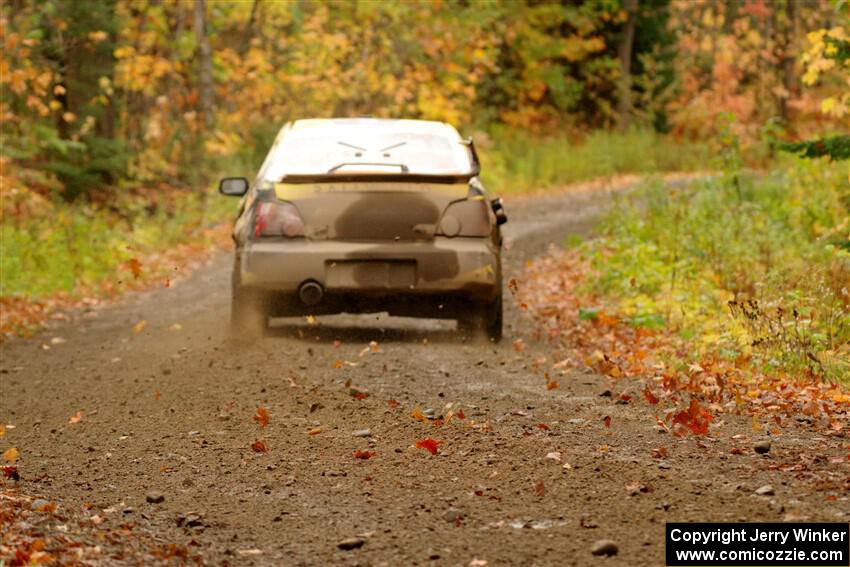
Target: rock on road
(164, 439)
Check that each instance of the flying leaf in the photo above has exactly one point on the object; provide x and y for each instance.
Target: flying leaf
(135, 267)
(365, 455)
(259, 446)
(430, 445)
(261, 416)
(11, 455)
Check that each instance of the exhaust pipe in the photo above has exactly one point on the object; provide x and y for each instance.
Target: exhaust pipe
(310, 293)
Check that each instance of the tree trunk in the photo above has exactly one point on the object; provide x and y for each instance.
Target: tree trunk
(624, 53)
(205, 78)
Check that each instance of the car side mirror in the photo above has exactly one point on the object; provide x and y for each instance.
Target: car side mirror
(233, 186)
(499, 210)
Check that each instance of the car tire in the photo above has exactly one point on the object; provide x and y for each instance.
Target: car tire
(493, 318)
(248, 317)
(486, 319)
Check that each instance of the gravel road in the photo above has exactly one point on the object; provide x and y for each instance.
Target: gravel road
(529, 476)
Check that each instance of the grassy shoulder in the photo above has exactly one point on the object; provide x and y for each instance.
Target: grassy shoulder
(68, 255)
(515, 162)
(730, 294)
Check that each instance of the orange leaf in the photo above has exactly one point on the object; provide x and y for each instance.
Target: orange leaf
(429, 445)
(11, 455)
(543, 426)
(336, 364)
(551, 385)
(540, 489)
(519, 345)
(359, 395)
(76, 418)
(460, 414)
(364, 454)
(418, 415)
(135, 267)
(650, 397)
(261, 416)
(259, 446)
(607, 421)
(315, 431)
(392, 403)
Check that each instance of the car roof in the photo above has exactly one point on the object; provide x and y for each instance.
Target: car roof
(384, 125)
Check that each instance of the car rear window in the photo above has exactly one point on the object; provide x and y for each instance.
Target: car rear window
(349, 150)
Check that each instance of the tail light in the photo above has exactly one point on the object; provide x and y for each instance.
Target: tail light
(466, 218)
(278, 219)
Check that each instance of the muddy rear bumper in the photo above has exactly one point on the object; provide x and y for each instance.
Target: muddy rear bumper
(445, 269)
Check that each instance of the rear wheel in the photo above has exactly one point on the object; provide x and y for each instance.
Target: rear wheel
(486, 319)
(248, 317)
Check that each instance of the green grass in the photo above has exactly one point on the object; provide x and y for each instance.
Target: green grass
(780, 239)
(514, 162)
(72, 247)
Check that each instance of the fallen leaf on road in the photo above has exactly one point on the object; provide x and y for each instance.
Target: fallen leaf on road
(519, 345)
(650, 397)
(540, 489)
(261, 416)
(310, 320)
(551, 385)
(392, 404)
(315, 431)
(543, 426)
(607, 421)
(359, 395)
(659, 452)
(10, 472)
(259, 446)
(336, 364)
(460, 414)
(364, 454)
(2, 431)
(513, 286)
(76, 418)
(430, 445)
(157, 395)
(418, 415)
(139, 327)
(11, 455)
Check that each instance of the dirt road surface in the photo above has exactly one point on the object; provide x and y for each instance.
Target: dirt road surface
(530, 476)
